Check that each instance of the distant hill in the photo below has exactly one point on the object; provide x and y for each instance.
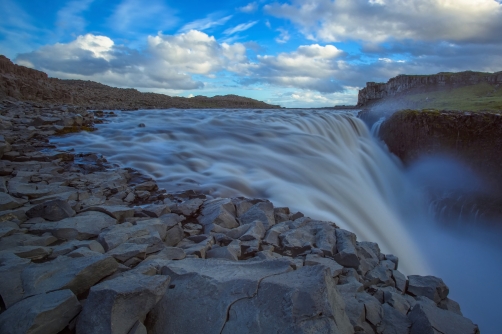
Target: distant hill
(466, 91)
(27, 84)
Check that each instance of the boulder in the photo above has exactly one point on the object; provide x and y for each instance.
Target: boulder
(296, 241)
(51, 210)
(116, 305)
(11, 286)
(127, 250)
(393, 321)
(219, 211)
(426, 318)
(156, 210)
(115, 235)
(256, 231)
(205, 290)
(301, 301)
(334, 268)
(189, 207)
(262, 211)
(346, 249)
(169, 253)
(231, 252)
(44, 313)
(428, 286)
(120, 213)
(76, 274)
(30, 252)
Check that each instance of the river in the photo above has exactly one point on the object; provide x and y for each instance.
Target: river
(324, 163)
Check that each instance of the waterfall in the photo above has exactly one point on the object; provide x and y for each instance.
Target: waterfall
(323, 163)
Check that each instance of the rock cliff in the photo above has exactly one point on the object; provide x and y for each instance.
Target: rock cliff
(27, 84)
(374, 92)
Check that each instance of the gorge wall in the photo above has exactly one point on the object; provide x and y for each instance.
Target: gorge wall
(374, 92)
(27, 84)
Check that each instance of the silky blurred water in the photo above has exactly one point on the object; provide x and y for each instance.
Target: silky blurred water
(323, 163)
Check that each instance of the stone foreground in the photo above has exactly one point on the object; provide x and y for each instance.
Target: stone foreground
(88, 247)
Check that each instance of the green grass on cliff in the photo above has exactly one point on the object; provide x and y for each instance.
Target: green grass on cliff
(482, 96)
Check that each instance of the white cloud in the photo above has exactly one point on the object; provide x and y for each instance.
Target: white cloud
(239, 28)
(249, 8)
(283, 36)
(205, 23)
(169, 61)
(312, 67)
(382, 20)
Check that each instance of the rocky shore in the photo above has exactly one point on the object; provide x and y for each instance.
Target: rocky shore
(89, 247)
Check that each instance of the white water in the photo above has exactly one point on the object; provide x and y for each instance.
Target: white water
(323, 163)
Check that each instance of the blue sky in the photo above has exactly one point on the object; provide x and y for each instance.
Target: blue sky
(293, 53)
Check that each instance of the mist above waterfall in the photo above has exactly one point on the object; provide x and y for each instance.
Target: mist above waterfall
(323, 163)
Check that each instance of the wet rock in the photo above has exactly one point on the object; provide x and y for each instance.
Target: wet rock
(426, 318)
(204, 290)
(346, 247)
(81, 227)
(262, 211)
(76, 274)
(302, 301)
(281, 214)
(116, 305)
(427, 286)
(44, 313)
(147, 186)
(219, 211)
(51, 210)
(8, 202)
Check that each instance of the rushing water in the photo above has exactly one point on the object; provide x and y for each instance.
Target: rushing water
(323, 163)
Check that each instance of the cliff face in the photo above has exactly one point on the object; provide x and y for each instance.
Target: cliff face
(27, 84)
(403, 83)
(474, 138)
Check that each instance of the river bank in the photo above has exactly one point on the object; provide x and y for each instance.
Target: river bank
(100, 248)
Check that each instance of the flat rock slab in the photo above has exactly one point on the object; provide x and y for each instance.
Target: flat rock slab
(301, 301)
(113, 236)
(114, 306)
(83, 226)
(45, 313)
(76, 274)
(428, 286)
(115, 211)
(219, 211)
(8, 202)
(30, 252)
(51, 210)
(204, 290)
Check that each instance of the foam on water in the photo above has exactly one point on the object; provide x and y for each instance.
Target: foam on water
(324, 163)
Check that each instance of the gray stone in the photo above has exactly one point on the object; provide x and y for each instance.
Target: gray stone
(82, 252)
(334, 268)
(397, 301)
(114, 306)
(256, 231)
(379, 275)
(346, 247)
(51, 210)
(428, 286)
(325, 238)
(297, 240)
(146, 186)
(272, 235)
(81, 227)
(120, 213)
(30, 252)
(234, 233)
(250, 248)
(262, 211)
(44, 313)
(392, 258)
(127, 250)
(76, 274)
(426, 318)
(138, 328)
(349, 285)
(372, 307)
(8, 202)
(171, 219)
(170, 253)
(156, 210)
(231, 252)
(301, 301)
(393, 322)
(174, 236)
(205, 290)
(152, 240)
(11, 287)
(189, 207)
(219, 211)
(400, 280)
(115, 235)
(450, 305)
